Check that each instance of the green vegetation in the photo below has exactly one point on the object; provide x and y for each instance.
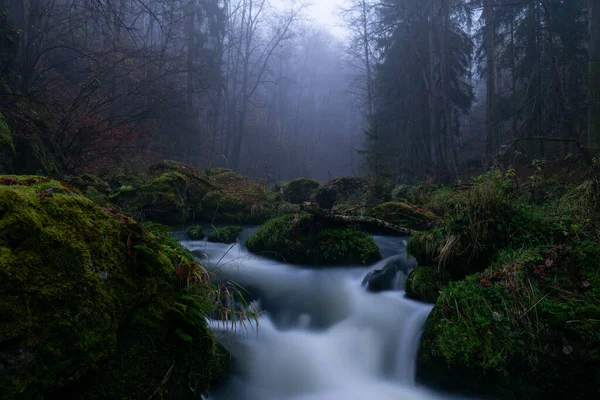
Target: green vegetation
(95, 305)
(301, 239)
(340, 191)
(226, 234)
(514, 273)
(531, 319)
(196, 232)
(174, 194)
(405, 215)
(300, 190)
(424, 284)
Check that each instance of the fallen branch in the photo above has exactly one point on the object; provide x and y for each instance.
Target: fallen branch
(371, 225)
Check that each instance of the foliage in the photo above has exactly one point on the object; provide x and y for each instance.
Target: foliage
(530, 319)
(403, 214)
(479, 221)
(225, 234)
(424, 284)
(196, 232)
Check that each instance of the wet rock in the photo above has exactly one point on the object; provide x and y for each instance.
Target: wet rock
(384, 279)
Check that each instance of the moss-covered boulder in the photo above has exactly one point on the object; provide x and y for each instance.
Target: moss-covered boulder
(237, 199)
(338, 191)
(171, 194)
(89, 301)
(225, 234)
(300, 190)
(222, 206)
(526, 327)
(405, 215)
(85, 181)
(424, 283)
(478, 222)
(302, 239)
(196, 232)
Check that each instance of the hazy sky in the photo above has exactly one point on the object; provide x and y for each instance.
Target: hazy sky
(326, 14)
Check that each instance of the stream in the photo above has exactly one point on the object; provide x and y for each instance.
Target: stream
(321, 335)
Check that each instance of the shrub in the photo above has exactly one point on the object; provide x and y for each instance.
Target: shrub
(196, 232)
(226, 234)
(529, 320)
(404, 215)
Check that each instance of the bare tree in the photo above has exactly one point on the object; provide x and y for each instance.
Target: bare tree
(594, 72)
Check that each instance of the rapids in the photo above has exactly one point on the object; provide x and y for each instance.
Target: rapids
(321, 335)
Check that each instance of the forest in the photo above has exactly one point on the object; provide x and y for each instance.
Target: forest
(296, 200)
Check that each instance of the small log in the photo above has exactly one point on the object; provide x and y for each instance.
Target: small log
(367, 224)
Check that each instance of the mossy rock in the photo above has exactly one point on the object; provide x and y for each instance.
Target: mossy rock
(87, 299)
(339, 191)
(424, 284)
(301, 239)
(225, 234)
(403, 214)
(526, 327)
(171, 198)
(300, 190)
(119, 178)
(196, 232)
(222, 206)
(86, 181)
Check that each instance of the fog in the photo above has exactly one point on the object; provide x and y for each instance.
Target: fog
(399, 90)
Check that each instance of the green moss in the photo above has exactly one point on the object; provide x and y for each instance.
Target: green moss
(530, 320)
(344, 246)
(226, 234)
(300, 190)
(299, 238)
(86, 295)
(83, 182)
(339, 191)
(481, 221)
(424, 283)
(196, 232)
(223, 206)
(405, 215)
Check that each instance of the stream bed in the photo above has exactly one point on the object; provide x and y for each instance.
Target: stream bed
(321, 334)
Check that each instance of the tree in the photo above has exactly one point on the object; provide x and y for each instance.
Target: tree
(594, 72)
(490, 46)
(252, 47)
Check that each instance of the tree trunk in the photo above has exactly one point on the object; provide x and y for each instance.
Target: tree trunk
(434, 111)
(490, 32)
(365, 34)
(594, 73)
(450, 151)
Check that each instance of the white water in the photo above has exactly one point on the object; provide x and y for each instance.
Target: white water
(322, 336)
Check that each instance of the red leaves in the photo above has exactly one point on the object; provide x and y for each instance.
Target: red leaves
(9, 181)
(539, 270)
(69, 187)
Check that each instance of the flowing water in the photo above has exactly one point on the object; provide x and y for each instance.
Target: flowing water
(321, 335)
